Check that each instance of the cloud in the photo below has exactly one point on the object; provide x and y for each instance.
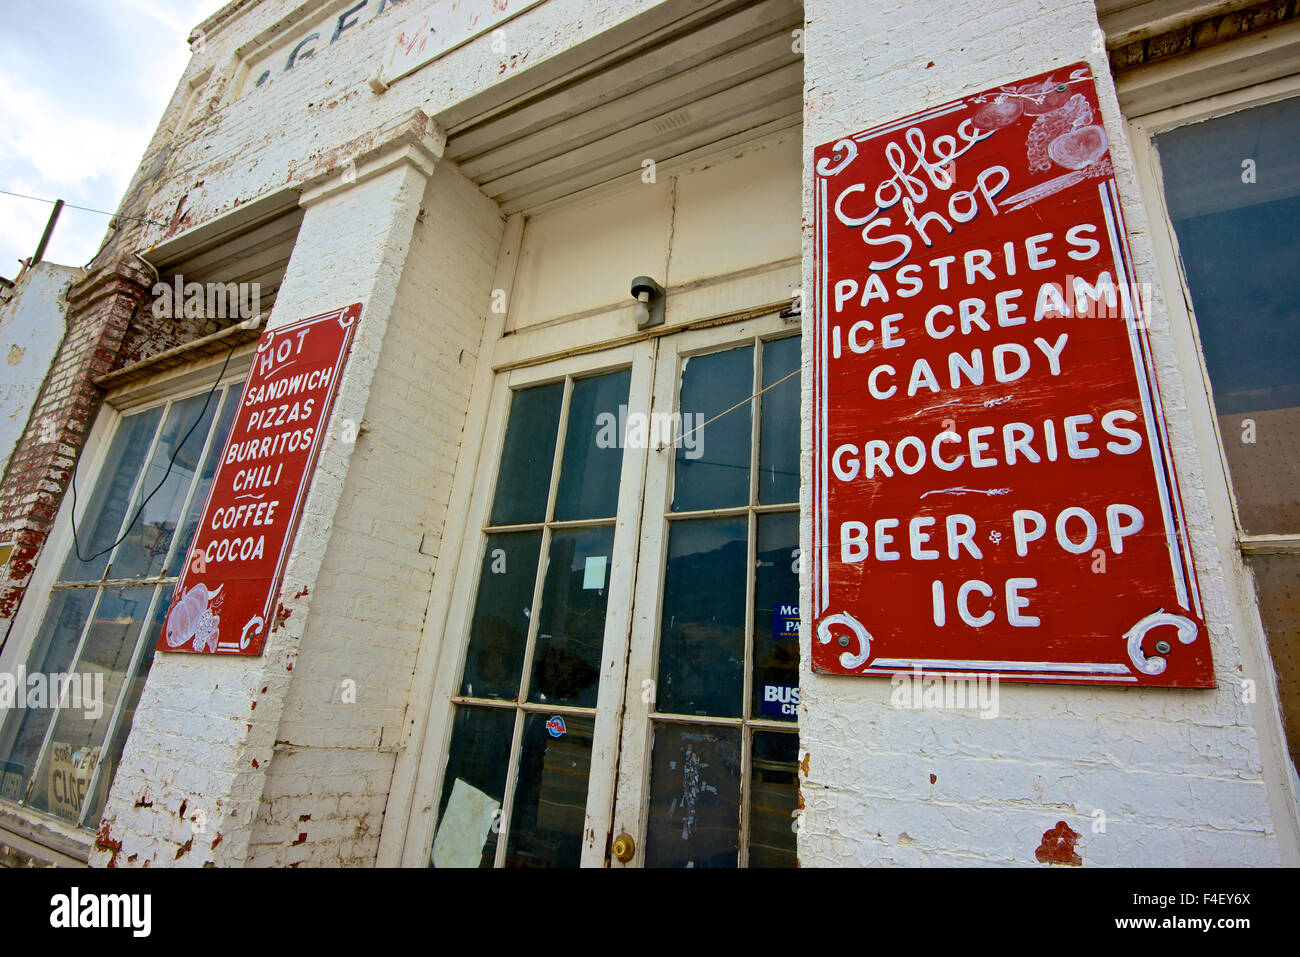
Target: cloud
(63, 143)
(82, 87)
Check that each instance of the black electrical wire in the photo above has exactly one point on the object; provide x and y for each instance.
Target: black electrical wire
(180, 445)
(86, 209)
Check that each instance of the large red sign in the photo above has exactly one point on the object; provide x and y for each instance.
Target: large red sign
(993, 492)
(225, 600)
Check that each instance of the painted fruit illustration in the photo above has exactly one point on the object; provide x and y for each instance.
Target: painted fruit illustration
(1078, 148)
(999, 113)
(1044, 97)
(188, 614)
(1075, 113)
(206, 631)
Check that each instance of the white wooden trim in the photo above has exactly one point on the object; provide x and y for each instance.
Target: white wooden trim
(1234, 65)
(1243, 609)
(1158, 121)
(453, 630)
(1126, 21)
(763, 288)
(633, 785)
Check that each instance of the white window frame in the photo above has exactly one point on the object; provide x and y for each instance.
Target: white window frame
(1243, 608)
(173, 385)
(451, 654)
(632, 809)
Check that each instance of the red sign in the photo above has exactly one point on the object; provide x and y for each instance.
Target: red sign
(225, 601)
(994, 492)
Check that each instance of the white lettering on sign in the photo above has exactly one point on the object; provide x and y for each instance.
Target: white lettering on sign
(987, 426)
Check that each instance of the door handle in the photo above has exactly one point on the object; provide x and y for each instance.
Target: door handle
(624, 848)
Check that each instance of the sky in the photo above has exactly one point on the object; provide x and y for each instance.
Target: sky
(83, 84)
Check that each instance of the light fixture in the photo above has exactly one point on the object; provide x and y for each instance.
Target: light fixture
(649, 296)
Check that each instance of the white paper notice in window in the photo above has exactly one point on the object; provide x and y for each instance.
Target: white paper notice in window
(464, 827)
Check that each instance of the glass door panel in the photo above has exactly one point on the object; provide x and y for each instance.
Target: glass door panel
(709, 748)
(535, 716)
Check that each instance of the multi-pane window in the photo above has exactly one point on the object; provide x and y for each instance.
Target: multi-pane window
(94, 645)
(634, 658)
(526, 708)
(1232, 187)
(724, 752)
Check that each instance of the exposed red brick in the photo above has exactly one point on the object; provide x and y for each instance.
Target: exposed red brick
(1058, 846)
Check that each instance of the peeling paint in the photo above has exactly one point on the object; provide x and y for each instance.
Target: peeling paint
(1058, 846)
(104, 842)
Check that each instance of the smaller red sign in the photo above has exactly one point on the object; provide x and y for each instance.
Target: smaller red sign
(225, 599)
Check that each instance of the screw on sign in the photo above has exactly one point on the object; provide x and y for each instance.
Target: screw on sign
(986, 413)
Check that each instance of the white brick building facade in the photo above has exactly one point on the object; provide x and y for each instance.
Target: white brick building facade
(489, 207)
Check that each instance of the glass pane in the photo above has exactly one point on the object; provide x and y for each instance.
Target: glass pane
(1277, 579)
(702, 628)
(773, 798)
(473, 787)
(778, 426)
(712, 464)
(694, 797)
(571, 629)
(1236, 234)
(499, 630)
(112, 754)
(24, 728)
(593, 447)
(776, 619)
(551, 794)
(64, 777)
(220, 432)
(104, 514)
(166, 483)
(524, 479)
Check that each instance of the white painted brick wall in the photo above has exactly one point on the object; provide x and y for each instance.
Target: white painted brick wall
(32, 325)
(333, 760)
(205, 729)
(214, 150)
(222, 751)
(1178, 774)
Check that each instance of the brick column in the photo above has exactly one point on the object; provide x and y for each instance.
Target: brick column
(1176, 775)
(100, 310)
(190, 783)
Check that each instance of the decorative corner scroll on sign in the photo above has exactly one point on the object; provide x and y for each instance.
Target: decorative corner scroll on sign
(850, 660)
